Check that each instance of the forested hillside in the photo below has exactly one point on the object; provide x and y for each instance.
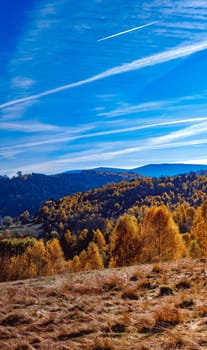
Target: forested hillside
(28, 192)
(139, 221)
(101, 207)
(119, 224)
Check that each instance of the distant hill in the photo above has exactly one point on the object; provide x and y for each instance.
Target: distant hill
(101, 169)
(167, 169)
(156, 170)
(115, 170)
(28, 192)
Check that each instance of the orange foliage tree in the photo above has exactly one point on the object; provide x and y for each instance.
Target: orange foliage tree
(125, 241)
(90, 259)
(37, 260)
(199, 231)
(56, 257)
(161, 238)
(95, 260)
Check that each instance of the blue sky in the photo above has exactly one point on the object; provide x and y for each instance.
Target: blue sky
(93, 83)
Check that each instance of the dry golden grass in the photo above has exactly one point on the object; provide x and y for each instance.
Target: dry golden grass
(158, 307)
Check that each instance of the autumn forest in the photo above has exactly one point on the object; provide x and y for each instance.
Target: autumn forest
(141, 220)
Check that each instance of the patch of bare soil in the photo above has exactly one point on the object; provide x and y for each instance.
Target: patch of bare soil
(160, 306)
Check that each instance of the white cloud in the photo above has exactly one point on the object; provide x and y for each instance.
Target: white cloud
(15, 112)
(102, 153)
(151, 106)
(89, 159)
(198, 25)
(82, 27)
(64, 135)
(22, 82)
(166, 56)
(196, 161)
(192, 130)
(142, 107)
(74, 134)
(30, 127)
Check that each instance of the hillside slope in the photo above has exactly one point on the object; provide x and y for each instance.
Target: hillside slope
(142, 307)
(95, 208)
(28, 192)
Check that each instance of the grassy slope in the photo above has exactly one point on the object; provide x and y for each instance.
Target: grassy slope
(25, 230)
(160, 306)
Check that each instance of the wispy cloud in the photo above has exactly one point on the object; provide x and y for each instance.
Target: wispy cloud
(198, 25)
(127, 31)
(196, 161)
(31, 127)
(153, 146)
(150, 106)
(22, 82)
(14, 112)
(192, 130)
(166, 56)
(51, 140)
(82, 27)
(80, 133)
(99, 156)
(151, 126)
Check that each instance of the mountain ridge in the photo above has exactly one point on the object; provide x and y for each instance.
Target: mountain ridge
(29, 191)
(153, 169)
(169, 169)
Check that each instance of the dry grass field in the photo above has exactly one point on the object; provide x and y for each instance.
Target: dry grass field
(159, 306)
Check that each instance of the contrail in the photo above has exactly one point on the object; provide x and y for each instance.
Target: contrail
(149, 61)
(127, 31)
(66, 138)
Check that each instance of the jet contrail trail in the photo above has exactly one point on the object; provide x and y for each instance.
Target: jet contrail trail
(127, 31)
(106, 132)
(148, 61)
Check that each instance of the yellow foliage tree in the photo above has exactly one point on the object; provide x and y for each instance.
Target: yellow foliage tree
(74, 264)
(38, 258)
(94, 257)
(83, 260)
(9, 269)
(100, 240)
(125, 242)
(199, 229)
(161, 238)
(56, 257)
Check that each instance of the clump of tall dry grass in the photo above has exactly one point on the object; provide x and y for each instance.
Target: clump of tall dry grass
(167, 315)
(15, 318)
(102, 343)
(144, 284)
(157, 268)
(130, 293)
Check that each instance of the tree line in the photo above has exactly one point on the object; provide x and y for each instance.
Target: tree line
(156, 239)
